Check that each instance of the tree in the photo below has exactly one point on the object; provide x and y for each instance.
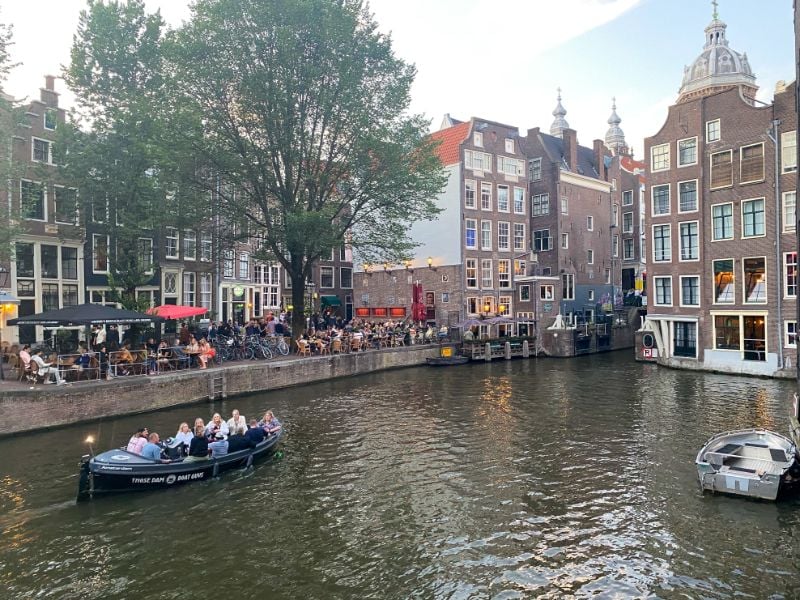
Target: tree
(303, 105)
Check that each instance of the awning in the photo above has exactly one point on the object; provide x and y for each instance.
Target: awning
(84, 314)
(330, 301)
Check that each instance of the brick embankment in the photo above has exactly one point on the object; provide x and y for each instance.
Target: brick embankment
(25, 409)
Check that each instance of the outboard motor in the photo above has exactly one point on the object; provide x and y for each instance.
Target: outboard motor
(85, 481)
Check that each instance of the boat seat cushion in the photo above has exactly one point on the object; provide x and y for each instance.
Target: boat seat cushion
(777, 454)
(729, 449)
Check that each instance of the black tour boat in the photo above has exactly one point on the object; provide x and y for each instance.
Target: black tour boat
(122, 471)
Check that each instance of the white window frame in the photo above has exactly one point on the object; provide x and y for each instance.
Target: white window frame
(540, 205)
(718, 132)
(45, 213)
(205, 289)
(171, 233)
(615, 246)
(152, 256)
(627, 227)
(668, 252)
(189, 288)
(589, 256)
(487, 205)
(483, 235)
(764, 212)
(656, 279)
(565, 241)
(680, 291)
(789, 152)
(519, 234)
(330, 271)
(564, 205)
(49, 143)
(504, 247)
(471, 264)
(518, 191)
(785, 266)
(474, 189)
(687, 164)
(244, 259)
(789, 217)
(765, 300)
(477, 139)
(763, 163)
(788, 334)
(680, 242)
(714, 299)
(696, 197)
(653, 188)
(535, 170)
(94, 253)
(507, 209)
(487, 274)
(206, 247)
(589, 223)
(665, 163)
(509, 145)
(627, 198)
(568, 286)
(547, 237)
(189, 243)
(733, 223)
(504, 273)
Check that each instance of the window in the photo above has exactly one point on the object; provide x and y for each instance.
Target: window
(145, 254)
(627, 249)
(171, 242)
(509, 146)
(687, 196)
(486, 196)
(547, 292)
(564, 241)
(659, 156)
(712, 131)
(541, 240)
(519, 267)
(660, 199)
(524, 293)
(41, 151)
(32, 201)
(627, 222)
(690, 240)
(346, 278)
(504, 273)
(473, 307)
(519, 236)
(789, 152)
(472, 272)
(753, 218)
(724, 282)
(684, 341)
(607, 275)
(722, 215)
(486, 235)
(503, 236)
(99, 207)
(487, 280)
(687, 152)
(614, 214)
(755, 280)
(188, 289)
(564, 205)
(519, 200)
(721, 169)
(205, 290)
(206, 247)
(615, 246)
(50, 296)
(227, 266)
(510, 166)
(590, 257)
(471, 231)
(662, 243)
(590, 223)
(23, 254)
(790, 272)
(789, 212)
(751, 163)
(627, 198)
(49, 261)
(69, 295)
(50, 119)
(690, 290)
(477, 161)
(726, 332)
(477, 139)
(69, 263)
(189, 245)
(790, 334)
(170, 284)
(502, 198)
(99, 253)
(663, 286)
(568, 286)
(590, 296)
(535, 169)
(540, 205)
(66, 205)
(326, 277)
(244, 265)
(469, 194)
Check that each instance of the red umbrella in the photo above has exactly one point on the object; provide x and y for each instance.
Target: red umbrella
(175, 311)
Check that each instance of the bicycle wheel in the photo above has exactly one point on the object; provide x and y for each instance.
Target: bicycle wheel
(267, 352)
(249, 354)
(283, 347)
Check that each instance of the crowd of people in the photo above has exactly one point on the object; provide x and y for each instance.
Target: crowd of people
(214, 439)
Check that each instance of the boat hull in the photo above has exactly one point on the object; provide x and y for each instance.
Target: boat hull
(120, 471)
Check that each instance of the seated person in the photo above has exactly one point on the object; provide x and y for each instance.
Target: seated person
(238, 442)
(152, 356)
(183, 438)
(219, 447)
(468, 335)
(124, 360)
(255, 434)
(206, 353)
(137, 441)
(216, 425)
(198, 448)
(269, 423)
(83, 361)
(152, 449)
(237, 424)
(46, 369)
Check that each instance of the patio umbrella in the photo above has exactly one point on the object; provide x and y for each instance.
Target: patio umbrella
(500, 321)
(176, 311)
(84, 314)
(471, 323)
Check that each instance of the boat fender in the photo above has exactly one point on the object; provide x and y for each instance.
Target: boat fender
(249, 461)
(215, 473)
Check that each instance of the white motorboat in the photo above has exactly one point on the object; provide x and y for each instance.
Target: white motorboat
(756, 463)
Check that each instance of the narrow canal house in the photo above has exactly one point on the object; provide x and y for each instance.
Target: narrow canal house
(721, 185)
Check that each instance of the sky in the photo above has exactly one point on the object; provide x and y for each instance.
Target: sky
(503, 60)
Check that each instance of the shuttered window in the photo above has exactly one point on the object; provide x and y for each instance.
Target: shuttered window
(752, 163)
(721, 169)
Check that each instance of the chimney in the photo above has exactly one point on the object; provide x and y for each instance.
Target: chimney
(570, 141)
(49, 82)
(599, 154)
(533, 132)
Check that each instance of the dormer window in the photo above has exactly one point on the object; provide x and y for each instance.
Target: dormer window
(509, 146)
(477, 139)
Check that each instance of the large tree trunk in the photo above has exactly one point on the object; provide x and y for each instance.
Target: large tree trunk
(298, 304)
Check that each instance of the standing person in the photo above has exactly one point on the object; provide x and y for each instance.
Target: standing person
(138, 441)
(184, 335)
(237, 424)
(100, 338)
(212, 332)
(46, 369)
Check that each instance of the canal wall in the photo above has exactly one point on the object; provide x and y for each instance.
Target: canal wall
(53, 406)
(565, 343)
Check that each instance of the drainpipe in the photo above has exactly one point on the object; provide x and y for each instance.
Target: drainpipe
(773, 135)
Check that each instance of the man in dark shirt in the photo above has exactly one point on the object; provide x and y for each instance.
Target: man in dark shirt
(184, 336)
(238, 442)
(255, 434)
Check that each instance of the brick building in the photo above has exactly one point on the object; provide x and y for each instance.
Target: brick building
(721, 186)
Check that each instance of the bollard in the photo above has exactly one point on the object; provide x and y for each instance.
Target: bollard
(526, 351)
(487, 355)
(508, 350)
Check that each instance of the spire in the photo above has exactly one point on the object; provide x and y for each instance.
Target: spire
(560, 123)
(615, 138)
(715, 14)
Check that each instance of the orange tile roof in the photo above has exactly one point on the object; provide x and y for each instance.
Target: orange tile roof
(451, 138)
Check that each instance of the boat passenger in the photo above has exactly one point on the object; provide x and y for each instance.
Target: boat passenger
(138, 441)
(219, 447)
(216, 425)
(198, 448)
(237, 424)
(255, 434)
(184, 435)
(270, 424)
(238, 442)
(152, 449)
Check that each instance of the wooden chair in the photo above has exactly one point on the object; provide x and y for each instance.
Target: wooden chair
(336, 347)
(355, 344)
(324, 348)
(34, 375)
(303, 348)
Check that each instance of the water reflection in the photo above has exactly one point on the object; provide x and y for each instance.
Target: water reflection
(514, 479)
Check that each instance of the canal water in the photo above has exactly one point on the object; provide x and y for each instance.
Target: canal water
(520, 479)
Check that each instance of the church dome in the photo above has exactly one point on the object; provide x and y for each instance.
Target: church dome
(559, 123)
(718, 67)
(615, 137)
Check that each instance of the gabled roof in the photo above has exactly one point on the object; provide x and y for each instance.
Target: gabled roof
(451, 139)
(631, 165)
(554, 147)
